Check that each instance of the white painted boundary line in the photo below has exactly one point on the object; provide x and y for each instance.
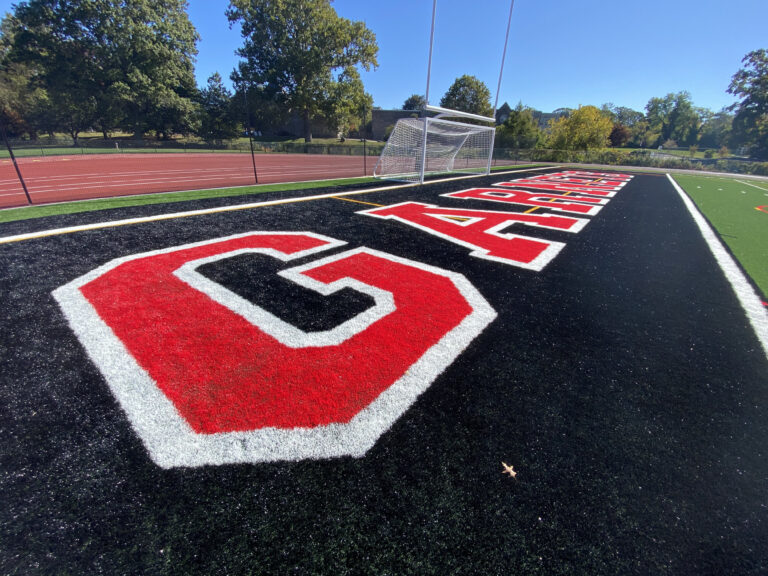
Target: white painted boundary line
(230, 208)
(748, 298)
(753, 186)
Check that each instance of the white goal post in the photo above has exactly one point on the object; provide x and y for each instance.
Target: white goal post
(419, 147)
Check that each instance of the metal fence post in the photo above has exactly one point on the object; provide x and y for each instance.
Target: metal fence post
(15, 164)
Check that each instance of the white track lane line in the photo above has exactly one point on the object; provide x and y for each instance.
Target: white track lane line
(748, 298)
(44, 184)
(247, 175)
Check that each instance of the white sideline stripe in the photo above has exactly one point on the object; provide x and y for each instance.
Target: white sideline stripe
(753, 185)
(230, 208)
(748, 298)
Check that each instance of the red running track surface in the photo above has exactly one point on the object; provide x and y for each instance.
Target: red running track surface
(61, 178)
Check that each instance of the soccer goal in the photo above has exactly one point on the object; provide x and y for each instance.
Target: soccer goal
(420, 147)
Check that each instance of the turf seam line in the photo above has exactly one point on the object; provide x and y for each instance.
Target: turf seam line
(748, 298)
(230, 208)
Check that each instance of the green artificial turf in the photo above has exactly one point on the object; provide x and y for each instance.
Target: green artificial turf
(730, 205)
(515, 167)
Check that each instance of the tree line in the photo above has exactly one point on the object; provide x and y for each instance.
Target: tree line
(671, 121)
(128, 66)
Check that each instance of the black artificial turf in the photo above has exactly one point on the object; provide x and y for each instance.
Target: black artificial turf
(623, 383)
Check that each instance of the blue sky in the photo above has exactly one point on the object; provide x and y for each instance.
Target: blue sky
(562, 53)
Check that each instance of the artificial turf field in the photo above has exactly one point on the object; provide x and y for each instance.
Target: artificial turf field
(623, 381)
(738, 209)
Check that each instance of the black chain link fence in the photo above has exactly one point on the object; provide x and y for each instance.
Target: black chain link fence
(47, 164)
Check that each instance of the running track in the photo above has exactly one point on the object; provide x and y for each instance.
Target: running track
(61, 178)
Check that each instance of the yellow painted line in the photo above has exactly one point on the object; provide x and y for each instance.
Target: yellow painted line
(537, 207)
(457, 218)
(357, 201)
(231, 208)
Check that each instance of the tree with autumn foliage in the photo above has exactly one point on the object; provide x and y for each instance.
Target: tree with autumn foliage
(585, 128)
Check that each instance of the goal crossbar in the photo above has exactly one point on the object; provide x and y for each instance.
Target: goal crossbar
(448, 113)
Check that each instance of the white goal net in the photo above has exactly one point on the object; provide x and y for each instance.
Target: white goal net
(451, 147)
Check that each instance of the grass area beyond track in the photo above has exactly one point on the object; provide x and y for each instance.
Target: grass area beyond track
(732, 206)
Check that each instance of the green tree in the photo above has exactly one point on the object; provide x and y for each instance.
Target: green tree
(217, 121)
(292, 48)
(657, 115)
(257, 108)
(672, 118)
(468, 94)
(586, 128)
(639, 135)
(716, 129)
(55, 39)
(623, 115)
(346, 101)
(685, 122)
(503, 113)
(108, 63)
(519, 130)
(156, 45)
(414, 102)
(18, 98)
(750, 84)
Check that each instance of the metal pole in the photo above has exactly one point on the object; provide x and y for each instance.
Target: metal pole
(426, 96)
(253, 160)
(503, 57)
(431, 43)
(15, 164)
(249, 128)
(365, 154)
